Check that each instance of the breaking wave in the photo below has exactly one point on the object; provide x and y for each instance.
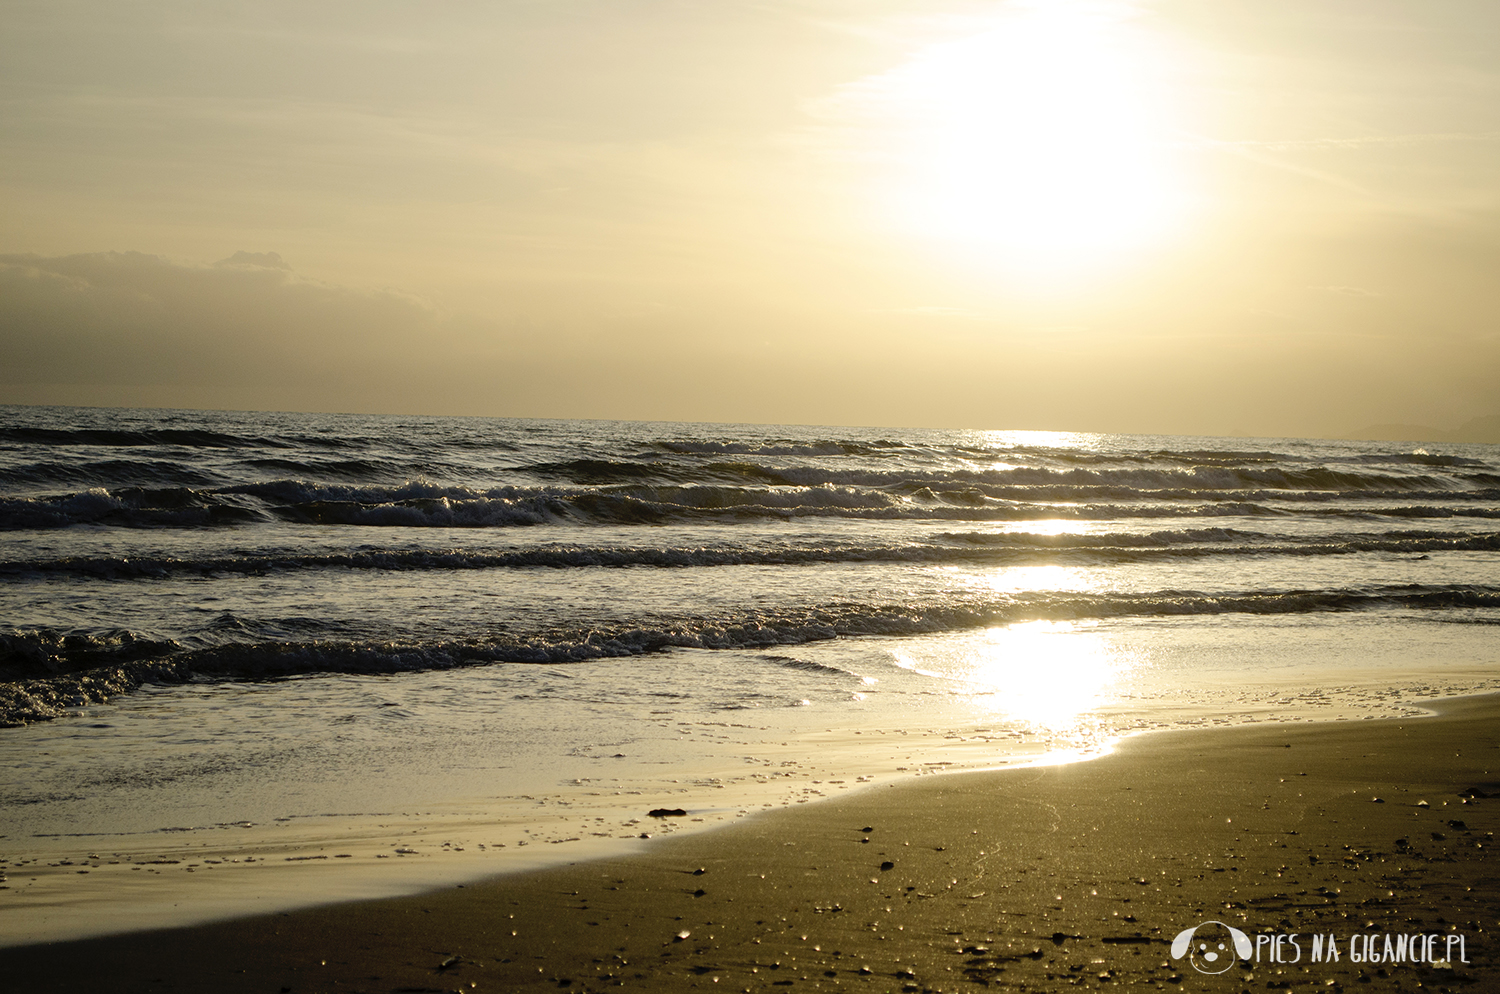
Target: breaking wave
(976, 548)
(50, 672)
(420, 504)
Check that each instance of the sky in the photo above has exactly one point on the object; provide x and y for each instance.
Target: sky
(1262, 217)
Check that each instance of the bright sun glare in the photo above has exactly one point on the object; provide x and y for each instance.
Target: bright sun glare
(1035, 139)
(1047, 673)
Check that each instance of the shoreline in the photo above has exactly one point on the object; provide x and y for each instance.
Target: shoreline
(1024, 878)
(265, 837)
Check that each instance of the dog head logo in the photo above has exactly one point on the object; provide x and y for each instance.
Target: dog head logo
(1212, 947)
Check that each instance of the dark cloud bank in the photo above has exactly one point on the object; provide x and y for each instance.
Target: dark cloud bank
(124, 327)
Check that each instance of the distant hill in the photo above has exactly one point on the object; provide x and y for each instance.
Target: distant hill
(1477, 430)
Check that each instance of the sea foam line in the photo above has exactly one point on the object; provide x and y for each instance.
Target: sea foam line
(42, 657)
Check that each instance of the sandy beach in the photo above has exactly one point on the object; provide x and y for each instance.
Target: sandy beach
(1077, 875)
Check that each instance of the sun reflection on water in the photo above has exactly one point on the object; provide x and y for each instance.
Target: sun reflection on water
(1031, 439)
(1053, 526)
(1049, 674)
(1020, 579)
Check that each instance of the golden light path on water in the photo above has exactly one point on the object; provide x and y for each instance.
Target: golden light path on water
(1090, 441)
(1048, 674)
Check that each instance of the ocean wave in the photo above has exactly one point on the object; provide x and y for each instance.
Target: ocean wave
(47, 651)
(1429, 511)
(1067, 540)
(25, 702)
(356, 469)
(65, 679)
(132, 507)
(1320, 482)
(425, 504)
(806, 665)
(121, 438)
(1010, 479)
(108, 472)
(1438, 459)
(972, 548)
(1058, 455)
(786, 447)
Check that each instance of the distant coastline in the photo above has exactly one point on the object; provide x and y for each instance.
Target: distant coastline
(1482, 430)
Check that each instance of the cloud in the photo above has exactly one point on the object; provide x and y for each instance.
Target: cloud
(125, 327)
(263, 260)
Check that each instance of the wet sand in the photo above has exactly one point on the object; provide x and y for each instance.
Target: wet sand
(78, 879)
(1074, 876)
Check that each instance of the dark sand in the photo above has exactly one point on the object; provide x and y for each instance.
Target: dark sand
(1036, 879)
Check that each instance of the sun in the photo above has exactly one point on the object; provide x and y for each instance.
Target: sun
(1038, 139)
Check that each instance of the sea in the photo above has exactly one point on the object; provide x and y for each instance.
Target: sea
(258, 660)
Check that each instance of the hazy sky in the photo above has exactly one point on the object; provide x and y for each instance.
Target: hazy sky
(1259, 216)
